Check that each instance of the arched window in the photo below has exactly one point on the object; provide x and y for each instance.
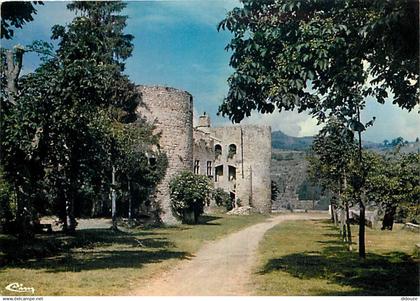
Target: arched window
(218, 150)
(232, 151)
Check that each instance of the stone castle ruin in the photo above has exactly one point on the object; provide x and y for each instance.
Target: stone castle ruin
(236, 158)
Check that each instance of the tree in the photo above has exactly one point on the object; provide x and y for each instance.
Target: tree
(333, 152)
(61, 136)
(393, 182)
(325, 57)
(189, 194)
(16, 14)
(140, 166)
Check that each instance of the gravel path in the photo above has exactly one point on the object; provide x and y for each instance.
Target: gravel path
(222, 267)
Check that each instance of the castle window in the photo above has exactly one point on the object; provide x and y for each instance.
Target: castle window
(197, 167)
(232, 151)
(209, 169)
(232, 173)
(218, 173)
(218, 150)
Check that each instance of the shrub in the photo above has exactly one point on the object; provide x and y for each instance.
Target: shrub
(189, 193)
(222, 199)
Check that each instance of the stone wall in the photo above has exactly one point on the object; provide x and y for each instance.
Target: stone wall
(251, 162)
(246, 174)
(203, 151)
(288, 173)
(171, 111)
(257, 154)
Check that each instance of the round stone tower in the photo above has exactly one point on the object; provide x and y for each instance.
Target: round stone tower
(171, 111)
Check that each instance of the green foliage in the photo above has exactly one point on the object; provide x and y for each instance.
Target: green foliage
(75, 119)
(16, 14)
(393, 184)
(222, 199)
(308, 191)
(7, 200)
(189, 194)
(333, 151)
(322, 56)
(399, 141)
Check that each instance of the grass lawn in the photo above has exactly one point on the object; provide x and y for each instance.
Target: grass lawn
(308, 258)
(101, 262)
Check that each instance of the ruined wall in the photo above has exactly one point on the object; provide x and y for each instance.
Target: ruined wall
(252, 162)
(226, 136)
(203, 151)
(171, 111)
(257, 156)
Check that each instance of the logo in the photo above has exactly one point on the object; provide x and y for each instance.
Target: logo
(19, 288)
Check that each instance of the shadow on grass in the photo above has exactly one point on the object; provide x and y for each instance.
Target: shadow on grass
(103, 259)
(92, 249)
(88, 249)
(390, 274)
(208, 220)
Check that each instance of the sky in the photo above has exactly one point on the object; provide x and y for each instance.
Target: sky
(177, 44)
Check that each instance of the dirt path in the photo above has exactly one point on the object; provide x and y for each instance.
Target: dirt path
(222, 267)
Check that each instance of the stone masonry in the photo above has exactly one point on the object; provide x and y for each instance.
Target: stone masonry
(236, 158)
(171, 111)
(240, 158)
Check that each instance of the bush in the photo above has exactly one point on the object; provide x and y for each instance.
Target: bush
(222, 199)
(189, 193)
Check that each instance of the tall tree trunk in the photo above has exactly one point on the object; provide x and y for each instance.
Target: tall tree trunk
(70, 219)
(129, 199)
(342, 216)
(332, 212)
(72, 190)
(113, 200)
(349, 239)
(362, 221)
(346, 204)
(22, 218)
(343, 225)
(14, 65)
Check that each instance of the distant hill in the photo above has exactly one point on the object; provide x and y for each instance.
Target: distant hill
(280, 140)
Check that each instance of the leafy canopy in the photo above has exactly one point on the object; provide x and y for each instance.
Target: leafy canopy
(16, 14)
(321, 56)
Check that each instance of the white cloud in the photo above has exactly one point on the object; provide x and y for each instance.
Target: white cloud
(391, 122)
(291, 123)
